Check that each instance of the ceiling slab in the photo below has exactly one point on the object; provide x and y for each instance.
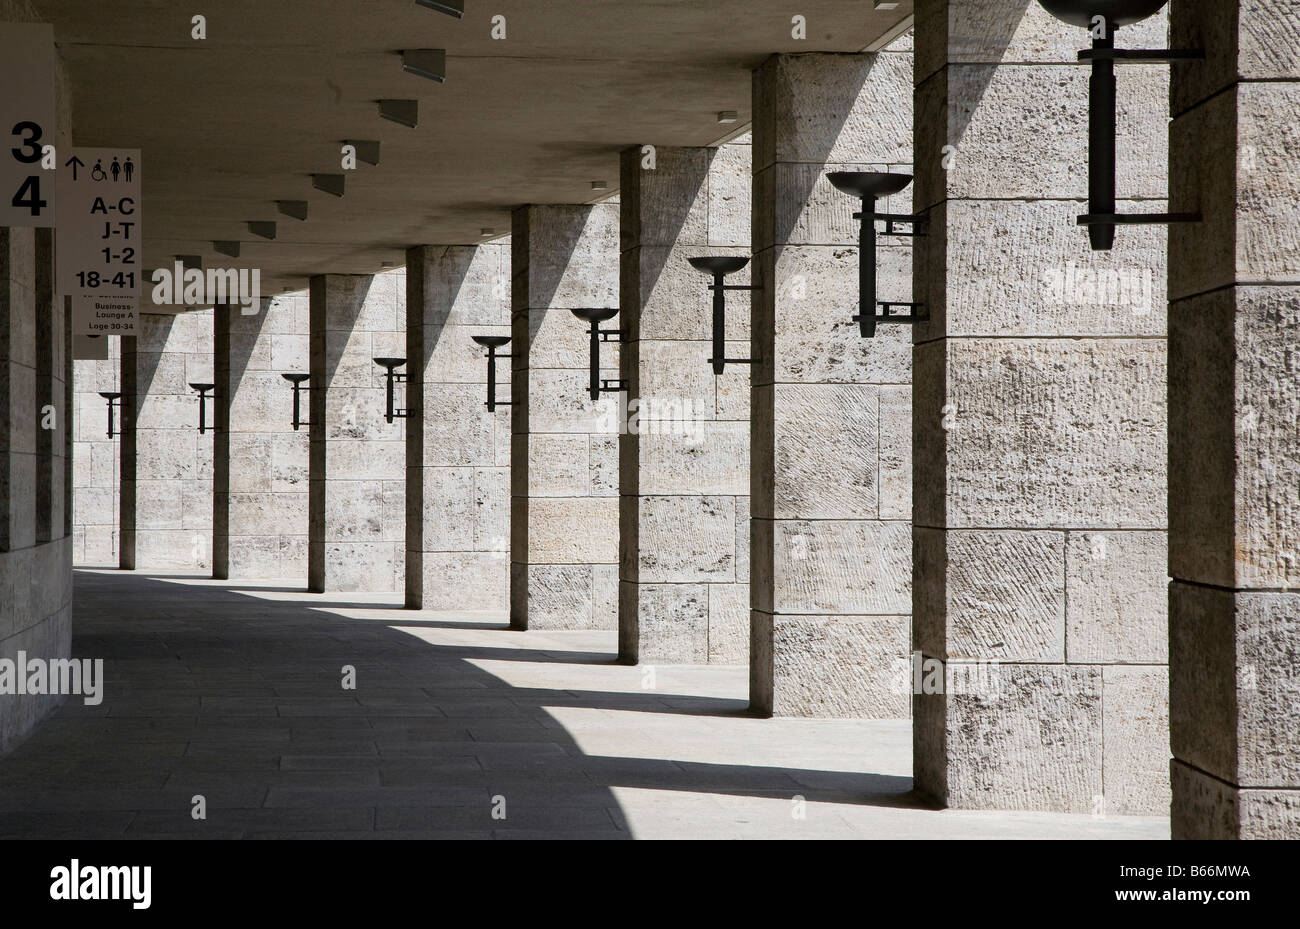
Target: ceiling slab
(231, 124)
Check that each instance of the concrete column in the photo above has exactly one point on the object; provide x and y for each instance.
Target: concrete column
(831, 535)
(457, 453)
(357, 460)
(684, 451)
(18, 362)
(53, 391)
(1234, 423)
(35, 552)
(166, 466)
(260, 467)
(126, 450)
(1039, 424)
(563, 461)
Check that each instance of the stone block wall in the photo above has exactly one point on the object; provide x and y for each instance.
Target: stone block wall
(684, 449)
(357, 490)
(831, 593)
(1039, 423)
(261, 470)
(166, 466)
(564, 453)
(458, 454)
(1234, 422)
(96, 460)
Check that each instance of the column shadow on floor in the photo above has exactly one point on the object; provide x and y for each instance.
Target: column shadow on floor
(239, 700)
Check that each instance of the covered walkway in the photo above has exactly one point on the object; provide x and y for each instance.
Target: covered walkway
(234, 693)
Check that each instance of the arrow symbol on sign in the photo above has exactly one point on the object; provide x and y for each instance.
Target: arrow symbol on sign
(75, 163)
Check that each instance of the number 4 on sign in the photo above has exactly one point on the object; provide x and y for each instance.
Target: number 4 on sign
(31, 187)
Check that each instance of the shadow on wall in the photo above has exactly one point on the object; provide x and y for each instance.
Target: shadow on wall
(982, 38)
(338, 314)
(238, 699)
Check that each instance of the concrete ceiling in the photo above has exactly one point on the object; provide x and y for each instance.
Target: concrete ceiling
(233, 123)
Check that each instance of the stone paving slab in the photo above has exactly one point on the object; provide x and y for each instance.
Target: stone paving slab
(233, 691)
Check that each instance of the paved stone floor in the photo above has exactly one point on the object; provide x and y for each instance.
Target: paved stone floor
(233, 691)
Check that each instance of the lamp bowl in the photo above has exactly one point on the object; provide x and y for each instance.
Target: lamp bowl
(866, 184)
(595, 314)
(720, 264)
(295, 377)
(1117, 12)
(491, 341)
(390, 363)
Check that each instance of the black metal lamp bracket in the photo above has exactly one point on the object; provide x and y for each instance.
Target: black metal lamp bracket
(391, 378)
(891, 220)
(492, 343)
(114, 399)
(1102, 218)
(297, 381)
(203, 406)
(594, 316)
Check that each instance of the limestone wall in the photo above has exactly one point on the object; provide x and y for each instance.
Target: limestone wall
(96, 460)
(564, 456)
(458, 453)
(357, 503)
(166, 466)
(684, 447)
(260, 498)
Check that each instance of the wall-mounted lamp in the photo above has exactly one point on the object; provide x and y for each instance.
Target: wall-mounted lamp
(388, 364)
(868, 186)
(595, 316)
(203, 407)
(492, 343)
(720, 267)
(454, 8)
(114, 399)
(297, 380)
(1102, 18)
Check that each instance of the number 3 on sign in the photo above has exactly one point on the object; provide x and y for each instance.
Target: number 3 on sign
(28, 152)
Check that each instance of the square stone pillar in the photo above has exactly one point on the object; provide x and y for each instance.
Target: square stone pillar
(357, 461)
(564, 459)
(457, 453)
(831, 542)
(53, 410)
(166, 466)
(1234, 423)
(18, 364)
(35, 551)
(1038, 424)
(260, 467)
(684, 451)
